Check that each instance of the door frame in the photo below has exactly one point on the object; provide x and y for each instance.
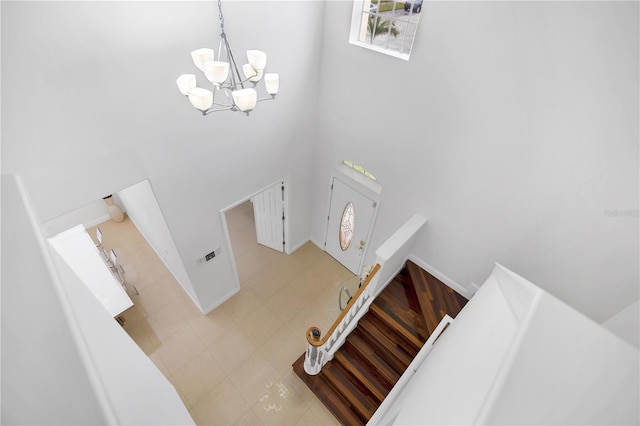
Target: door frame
(225, 226)
(362, 184)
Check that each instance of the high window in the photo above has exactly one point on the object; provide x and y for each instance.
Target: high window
(387, 26)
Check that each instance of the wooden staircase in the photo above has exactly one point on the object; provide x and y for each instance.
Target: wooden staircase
(382, 346)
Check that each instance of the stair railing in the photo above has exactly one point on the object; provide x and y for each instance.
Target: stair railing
(320, 350)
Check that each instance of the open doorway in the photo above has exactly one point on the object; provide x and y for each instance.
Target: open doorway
(257, 230)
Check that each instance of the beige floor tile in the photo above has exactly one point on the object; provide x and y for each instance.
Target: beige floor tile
(224, 405)
(232, 349)
(250, 418)
(142, 333)
(283, 348)
(254, 377)
(195, 417)
(260, 325)
(180, 348)
(269, 282)
(230, 365)
(198, 377)
(282, 404)
(317, 415)
(242, 304)
(286, 304)
(311, 316)
(212, 326)
(154, 297)
(166, 321)
(157, 360)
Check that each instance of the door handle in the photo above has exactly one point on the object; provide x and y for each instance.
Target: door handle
(361, 245)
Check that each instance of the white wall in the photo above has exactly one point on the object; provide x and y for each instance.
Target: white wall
(44, 380)
(626, 323)
(104, 113)
(143, 210)
(512, 129)
(88, 215)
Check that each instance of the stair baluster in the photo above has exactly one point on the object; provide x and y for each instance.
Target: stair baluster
(320, 350)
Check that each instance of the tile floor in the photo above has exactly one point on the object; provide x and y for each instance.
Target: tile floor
(233, 366)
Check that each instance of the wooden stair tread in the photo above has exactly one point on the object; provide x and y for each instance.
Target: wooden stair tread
(354, 396)
(383, 346)
(362, 375)
(334, 402)
(389, 336)
(394, 323)
(385, 341)
(357, 346)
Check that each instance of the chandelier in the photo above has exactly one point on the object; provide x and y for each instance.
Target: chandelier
(223, 73)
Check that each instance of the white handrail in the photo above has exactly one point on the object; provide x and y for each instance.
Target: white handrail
(391, 257)
(321, 350)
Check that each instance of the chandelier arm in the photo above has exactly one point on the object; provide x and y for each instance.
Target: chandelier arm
(267, 99)
(232, 63)
(209, 111)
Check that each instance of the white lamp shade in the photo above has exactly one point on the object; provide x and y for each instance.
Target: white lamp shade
(186, 82)
(201, 56)
(272, 83)
(257, 59)
(200, 98)
(245, 99)
(216, 71)
(252, 74)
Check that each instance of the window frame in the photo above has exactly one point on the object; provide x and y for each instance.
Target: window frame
(358, 16)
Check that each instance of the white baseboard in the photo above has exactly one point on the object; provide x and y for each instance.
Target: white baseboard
(314, 241)
(97, 221)
(221, 301)
(303, 242)
(460, 289)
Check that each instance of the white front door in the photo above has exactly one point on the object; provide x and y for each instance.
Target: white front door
(349, 225)
(268, 211)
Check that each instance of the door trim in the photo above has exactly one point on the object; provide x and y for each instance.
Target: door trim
(225, 227)
(362, 184)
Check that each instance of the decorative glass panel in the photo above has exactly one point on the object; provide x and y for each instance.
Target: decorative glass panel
(358, 168)
(347, 226)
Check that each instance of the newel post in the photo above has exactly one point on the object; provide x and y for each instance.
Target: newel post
(313, 356)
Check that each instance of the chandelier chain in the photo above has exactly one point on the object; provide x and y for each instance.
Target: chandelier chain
(221, 19)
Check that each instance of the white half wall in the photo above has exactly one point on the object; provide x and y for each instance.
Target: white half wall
(44, 379)
(65, 360)
(516, 355)
(626, 323)
(142, 208)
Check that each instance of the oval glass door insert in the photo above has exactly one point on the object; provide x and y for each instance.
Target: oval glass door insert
(347, 226)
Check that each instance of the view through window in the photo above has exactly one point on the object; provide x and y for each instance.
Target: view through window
(387, 26)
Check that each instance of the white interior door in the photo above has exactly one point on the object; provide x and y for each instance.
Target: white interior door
(268, 211)
(349, 224)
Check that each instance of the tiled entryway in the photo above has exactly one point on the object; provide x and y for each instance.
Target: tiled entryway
(233, 366)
